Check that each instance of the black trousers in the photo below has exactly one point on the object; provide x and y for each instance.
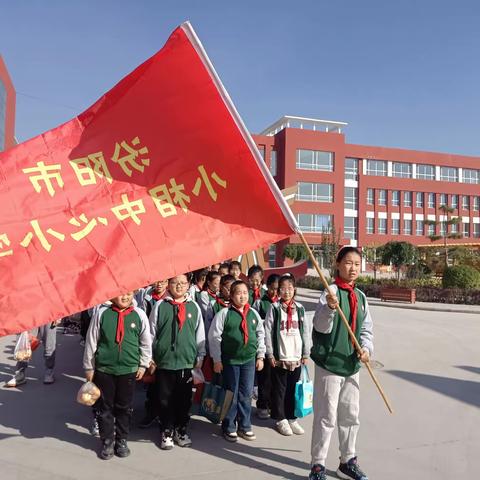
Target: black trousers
(283, 393)
(115, 405)
(174, 397)
(264, 380)
(151, 401)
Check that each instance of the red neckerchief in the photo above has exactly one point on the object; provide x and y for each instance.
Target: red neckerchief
(156, 296)
(290, 309)
(273, 299)
(243, 325)
(182, 312)
(222, 302)
(212, 294)
(256, 293)
(121, 323)
(352, 301)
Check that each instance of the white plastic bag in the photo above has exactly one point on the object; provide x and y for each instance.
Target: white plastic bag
(23, 349)
(88, 394)
(197, 376)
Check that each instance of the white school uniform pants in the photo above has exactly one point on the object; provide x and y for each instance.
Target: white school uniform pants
(336, 400)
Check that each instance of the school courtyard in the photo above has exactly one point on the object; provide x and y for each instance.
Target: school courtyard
(428, 363)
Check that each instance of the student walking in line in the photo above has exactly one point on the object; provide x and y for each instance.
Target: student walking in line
(336, 397)
(117, 353)
(236, 343)
(287, 339)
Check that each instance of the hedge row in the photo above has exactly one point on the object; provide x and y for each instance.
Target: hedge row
(423, 293)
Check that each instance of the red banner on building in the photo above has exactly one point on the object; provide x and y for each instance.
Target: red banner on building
(159, 177)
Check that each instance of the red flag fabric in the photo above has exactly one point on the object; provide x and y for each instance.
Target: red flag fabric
(148, 183)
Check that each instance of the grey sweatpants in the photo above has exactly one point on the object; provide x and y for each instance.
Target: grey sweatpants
(336, 400)
(48, 337)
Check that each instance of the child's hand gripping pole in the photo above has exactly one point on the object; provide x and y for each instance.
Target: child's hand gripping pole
(345, 321)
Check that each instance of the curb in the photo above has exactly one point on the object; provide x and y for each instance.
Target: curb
(379, 303)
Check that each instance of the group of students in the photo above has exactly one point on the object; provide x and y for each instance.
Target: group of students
(237, 330)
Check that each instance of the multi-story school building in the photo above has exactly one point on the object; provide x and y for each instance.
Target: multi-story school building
(371, 195)
(7, 109)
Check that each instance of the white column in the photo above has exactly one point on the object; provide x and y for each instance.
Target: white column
(437, 173)
(460, 175)
(414, 170)
(389, 168)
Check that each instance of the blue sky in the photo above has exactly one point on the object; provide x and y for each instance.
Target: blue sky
(402, 74)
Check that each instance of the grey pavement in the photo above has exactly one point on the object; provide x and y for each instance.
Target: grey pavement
(427, 362)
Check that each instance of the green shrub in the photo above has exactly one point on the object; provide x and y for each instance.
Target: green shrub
(462, 276)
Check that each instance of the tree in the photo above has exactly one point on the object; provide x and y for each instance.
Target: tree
(329, 247)
(295, 252)
(373, 256)
(444, 224)
(399, 254)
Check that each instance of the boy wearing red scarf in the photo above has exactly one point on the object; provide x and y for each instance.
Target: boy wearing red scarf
(287, 340)
(178, 337)
(336, 390)
(156, 292)
(236, 343)
(117, 352)
(255, 280)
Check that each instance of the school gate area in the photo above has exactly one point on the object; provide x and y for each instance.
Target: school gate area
(431, 374)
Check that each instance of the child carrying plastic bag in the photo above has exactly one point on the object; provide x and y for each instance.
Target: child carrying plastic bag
(88, 394)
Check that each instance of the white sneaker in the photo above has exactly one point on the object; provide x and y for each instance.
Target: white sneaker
(48, 378)
(296, 427)
(17, 380)
(167, 440)
(262, 413)
(284, 428)
(182, 439)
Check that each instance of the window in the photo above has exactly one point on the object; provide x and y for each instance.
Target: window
(395, 198)
(378, 168)
(315, 192)
(466, 229)
(382, 226)
(273, 163)
(454, 228)
(471, 176)
(476, 230)
(465, 202)
(419, 228)
(431, 200)
(443, 228)
(350, 228)
(407, 199)
(407, 227)
(454, 201)
(402, 170)
(351, 198)
(351, 168)
(431, 229)
(449, 174)
(395, 226)
(309, 222)
(443, 199)
(272, 256)
(315, 160)
(476, 204)
(370, 226)
(370, 198)
(426, 172)
(382, 197)
(261, 149)
(419, 199)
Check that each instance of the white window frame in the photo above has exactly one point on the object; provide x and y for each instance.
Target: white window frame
(315, 162)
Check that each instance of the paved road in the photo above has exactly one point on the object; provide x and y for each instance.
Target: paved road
(431, 374)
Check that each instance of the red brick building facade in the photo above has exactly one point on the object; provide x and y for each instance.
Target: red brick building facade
(7, 109)
(370, 194)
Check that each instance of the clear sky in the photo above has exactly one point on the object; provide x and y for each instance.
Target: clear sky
(402, 73)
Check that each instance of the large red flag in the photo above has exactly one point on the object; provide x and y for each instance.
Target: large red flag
(157, 178)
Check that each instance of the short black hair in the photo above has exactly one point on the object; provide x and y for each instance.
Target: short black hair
(287, 277)
(198, 275)
(255, 269)
(235, 263)
(272, 278)
(346, 250)
(226, 278)
(235, 284)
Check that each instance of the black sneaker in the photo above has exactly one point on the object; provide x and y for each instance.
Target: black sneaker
(121, 448)
(351, 469)
(318, 472)
(148, 421)
(107, 451)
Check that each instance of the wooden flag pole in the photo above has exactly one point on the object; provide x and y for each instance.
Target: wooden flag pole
(345, 321)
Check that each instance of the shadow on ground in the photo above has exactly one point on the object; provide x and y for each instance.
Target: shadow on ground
(466, 391)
